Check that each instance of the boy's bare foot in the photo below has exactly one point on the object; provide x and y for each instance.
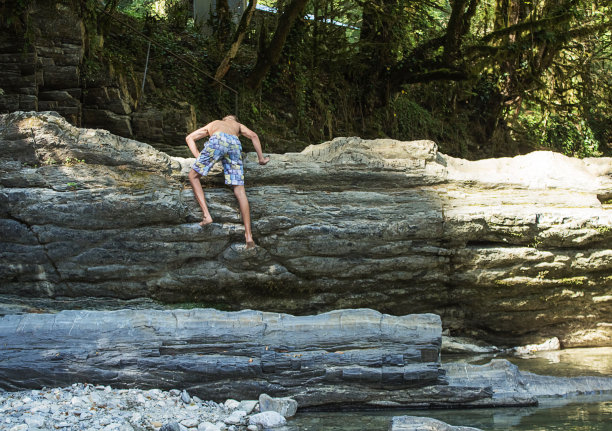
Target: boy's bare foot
(206, 220)
(250, 243)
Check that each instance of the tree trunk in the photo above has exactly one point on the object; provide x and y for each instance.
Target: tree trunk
(224, 20)
(238, 37)
(458, 26)
(271, 54)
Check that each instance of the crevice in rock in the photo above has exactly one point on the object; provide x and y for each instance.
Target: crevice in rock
(60, 279)
(605, 198)
(488, 244)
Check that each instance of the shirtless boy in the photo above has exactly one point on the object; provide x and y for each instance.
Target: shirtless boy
(223, 144)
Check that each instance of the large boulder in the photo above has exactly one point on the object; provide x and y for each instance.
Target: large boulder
(513, 250)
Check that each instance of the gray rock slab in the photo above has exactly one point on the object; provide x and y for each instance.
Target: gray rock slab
(214, 354)
(509, 384)
(284, 406)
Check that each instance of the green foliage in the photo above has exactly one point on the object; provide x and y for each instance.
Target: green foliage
(573, 138)
(71, 161)
(137, 8)
(413, 121)
(565, 134)
(14, 14)
(536, 75)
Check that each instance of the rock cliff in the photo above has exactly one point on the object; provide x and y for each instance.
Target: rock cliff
(512, 250)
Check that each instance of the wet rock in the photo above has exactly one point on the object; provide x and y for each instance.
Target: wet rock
(509, 385)
(453, 345)
(417, 423)
(285, 406)
(546, 346)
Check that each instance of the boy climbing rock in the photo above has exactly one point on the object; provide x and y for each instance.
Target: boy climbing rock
(223, 144)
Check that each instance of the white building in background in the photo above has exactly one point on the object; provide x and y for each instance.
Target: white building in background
(202, 10)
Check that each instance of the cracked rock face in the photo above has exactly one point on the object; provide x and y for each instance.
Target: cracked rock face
(513, 250)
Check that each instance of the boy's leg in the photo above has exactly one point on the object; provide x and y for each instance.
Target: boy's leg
(245, 212)
(194, 179)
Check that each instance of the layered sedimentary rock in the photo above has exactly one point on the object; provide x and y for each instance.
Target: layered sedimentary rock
(509, 385)
(341, 358)
(358, 356)
(514, 250)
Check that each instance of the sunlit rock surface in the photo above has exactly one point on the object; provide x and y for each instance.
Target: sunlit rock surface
(513, 250)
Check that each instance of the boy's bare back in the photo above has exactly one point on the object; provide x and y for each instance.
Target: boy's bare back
(228, 126)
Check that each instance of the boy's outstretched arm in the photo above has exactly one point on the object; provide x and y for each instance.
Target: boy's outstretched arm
(245, 131)
(194, 136)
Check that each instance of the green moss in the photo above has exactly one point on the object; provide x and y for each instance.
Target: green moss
(603, 229)
(577, 281)
(191, 305)
(536, 243)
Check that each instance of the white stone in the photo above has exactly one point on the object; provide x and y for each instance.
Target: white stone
(267, 420)
(247, 405)
(235, 417)
(207, 426)
(189, 422)
(232, 404)
(35, 421)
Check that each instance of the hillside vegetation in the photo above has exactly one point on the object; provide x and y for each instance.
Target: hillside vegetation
(482, 79)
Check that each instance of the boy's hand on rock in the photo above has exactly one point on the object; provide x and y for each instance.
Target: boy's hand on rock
(264, 160)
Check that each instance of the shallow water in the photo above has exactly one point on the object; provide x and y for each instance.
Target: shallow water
(592, 413)
(595, 361)
(576, 413)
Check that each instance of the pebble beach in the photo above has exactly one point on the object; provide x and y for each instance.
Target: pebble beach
(90, 407)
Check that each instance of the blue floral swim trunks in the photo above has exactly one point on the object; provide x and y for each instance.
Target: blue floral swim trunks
(227, 148)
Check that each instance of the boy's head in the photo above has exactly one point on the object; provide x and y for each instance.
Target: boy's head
(230, 117)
